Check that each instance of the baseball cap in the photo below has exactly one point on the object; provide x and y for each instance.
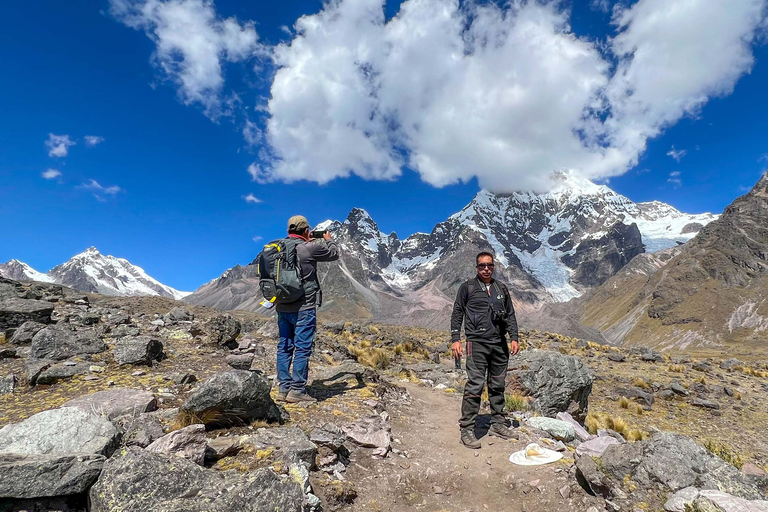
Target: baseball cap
(298, 223)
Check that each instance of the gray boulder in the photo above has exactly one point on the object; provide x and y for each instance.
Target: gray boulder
(240, 361)
(329, 436)
(291, 444)
(67, 430)
(232, 397)
(637, 394)
(370, 432)
(14, 312)
(24, 334)
(676, 462)
(556, 382)
(38, 476)
(223, 330)
(54, 453)
(113, 403)
(141, 430)
(57, 342)
(188, 443)
(59, 371)
(137, 350)
(136, 480)
(7, 384)
(178, 314)
(122, 331)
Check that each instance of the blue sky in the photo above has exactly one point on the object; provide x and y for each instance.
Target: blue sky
(172, 171)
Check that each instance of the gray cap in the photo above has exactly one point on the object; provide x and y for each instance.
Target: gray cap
(298, 223)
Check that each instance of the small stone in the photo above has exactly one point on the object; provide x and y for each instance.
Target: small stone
(138, 373)
(565, 492)
(534, 483)
(90, 377)
(437, 489)
(96, 368)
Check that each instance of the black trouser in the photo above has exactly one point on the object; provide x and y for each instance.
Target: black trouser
(484, 358)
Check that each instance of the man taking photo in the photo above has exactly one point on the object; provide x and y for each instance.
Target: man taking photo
(297, 320)
(484, 306)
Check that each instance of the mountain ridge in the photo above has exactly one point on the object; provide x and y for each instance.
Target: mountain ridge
(90, 271)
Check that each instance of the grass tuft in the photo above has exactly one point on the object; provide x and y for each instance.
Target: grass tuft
(724, 452)
(624, 402)
(516, 402)
(641, 383)
(677, 368)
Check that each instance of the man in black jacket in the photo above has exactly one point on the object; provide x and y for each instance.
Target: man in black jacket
(485, 307)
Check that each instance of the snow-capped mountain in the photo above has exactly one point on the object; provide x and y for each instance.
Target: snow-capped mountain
(568, 240)
(91, 271)
(549, 247)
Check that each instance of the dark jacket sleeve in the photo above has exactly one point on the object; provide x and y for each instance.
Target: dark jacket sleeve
(457, 317)
(324, 250)
(512, 331)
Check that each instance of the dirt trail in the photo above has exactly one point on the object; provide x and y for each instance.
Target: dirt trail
(439, 474)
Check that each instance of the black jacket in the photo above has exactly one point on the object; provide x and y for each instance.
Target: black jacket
(474, 305)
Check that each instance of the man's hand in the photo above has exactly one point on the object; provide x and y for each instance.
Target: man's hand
(514, 347)
(456, 349)
(327, 235)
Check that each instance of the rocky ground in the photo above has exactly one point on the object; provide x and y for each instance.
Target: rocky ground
(150, 404)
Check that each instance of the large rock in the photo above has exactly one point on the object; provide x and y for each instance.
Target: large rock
(58, 343)
(370, 432)
(54, 453)
(232, 397)
(141, 430)
(290, 443)
(676, 462)
(7, 384)
(555, 382)
(59, 431)
(14, 312)
(178, 314)
(224, 330)
(113, 403)
(136, 480)
(39, 476)
(59, 371)
(561, 430)
(24, 334)
(188, 443)
(138, 350)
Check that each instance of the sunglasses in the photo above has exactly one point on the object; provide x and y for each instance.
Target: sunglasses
(485, 265)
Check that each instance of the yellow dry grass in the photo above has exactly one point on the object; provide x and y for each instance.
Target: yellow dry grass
(624, 402)
(641, 383)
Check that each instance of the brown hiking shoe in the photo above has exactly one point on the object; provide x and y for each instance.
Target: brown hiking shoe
(468, 438)
(280, 396)
(294, 397)
(502, 431)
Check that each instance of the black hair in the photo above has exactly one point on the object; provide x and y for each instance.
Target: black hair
(297, 231)
(481, 254)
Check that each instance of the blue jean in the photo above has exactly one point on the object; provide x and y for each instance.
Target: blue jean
(297, 334)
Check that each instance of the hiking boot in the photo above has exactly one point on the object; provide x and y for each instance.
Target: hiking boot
(468, 438)
(502, 431)
(294, 397)
(280, 397)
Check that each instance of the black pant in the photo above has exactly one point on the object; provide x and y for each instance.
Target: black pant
(484, 358)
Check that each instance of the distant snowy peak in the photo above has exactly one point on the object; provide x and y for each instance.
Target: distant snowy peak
(19, 271)
(90, 271)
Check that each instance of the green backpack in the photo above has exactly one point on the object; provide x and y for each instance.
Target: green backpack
(279, 271)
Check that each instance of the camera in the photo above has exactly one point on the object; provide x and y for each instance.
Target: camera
(318, 233)
(500, 316)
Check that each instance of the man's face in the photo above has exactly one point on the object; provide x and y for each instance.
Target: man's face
(485, 267)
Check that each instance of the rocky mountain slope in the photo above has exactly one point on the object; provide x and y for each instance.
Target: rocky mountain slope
(711, 292)
(549, 248)
(91, 271)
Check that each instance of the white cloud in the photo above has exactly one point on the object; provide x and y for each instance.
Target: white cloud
(250, 198)
(98, 190)
(251, 133)
(677, 154)
(258, 238)
(674, 179)
(506, 95)
(58, 145)
(674, 174)
(600, 5)
(92, 140)
(192, 42)
(51, 174)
